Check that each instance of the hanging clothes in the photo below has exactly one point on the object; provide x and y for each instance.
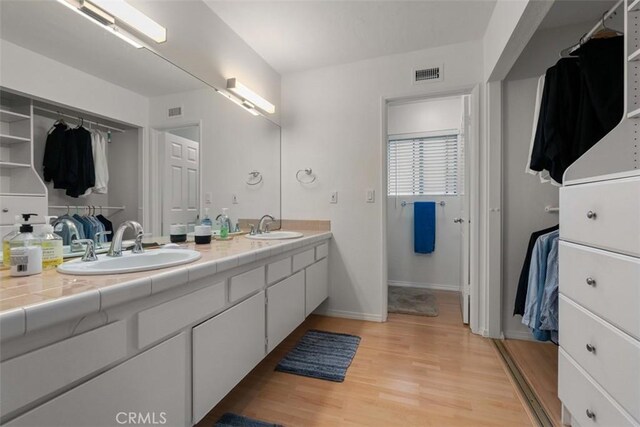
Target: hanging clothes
(523, 282)
(99, 145)
(108, 226)
(54, 161)
(581, 102)
(81, 144)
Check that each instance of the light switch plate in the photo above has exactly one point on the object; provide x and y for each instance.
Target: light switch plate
(371, 196)
(234, 199)
(208, 198)
(334, 197)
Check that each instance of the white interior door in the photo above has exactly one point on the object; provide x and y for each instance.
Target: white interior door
(180, 174)
(463, 219)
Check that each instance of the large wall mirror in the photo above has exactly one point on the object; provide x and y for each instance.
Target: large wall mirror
(175, 148)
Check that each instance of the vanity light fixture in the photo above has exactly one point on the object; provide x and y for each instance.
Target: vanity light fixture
(248, 95)
(133, 18)
(247, 106)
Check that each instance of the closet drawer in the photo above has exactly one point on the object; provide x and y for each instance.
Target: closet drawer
(246, 283)
(582, 396)
(16, 205)
(614, 289)
(610, 356)
(278, 270)
(322, 251)
(303, 259)
(602, 214)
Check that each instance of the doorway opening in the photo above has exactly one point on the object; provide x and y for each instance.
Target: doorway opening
(428, 203)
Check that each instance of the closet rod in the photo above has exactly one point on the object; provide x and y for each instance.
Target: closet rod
(551, 209)
(405, 203)
(600, 23)
(113, 208)
(78, 118)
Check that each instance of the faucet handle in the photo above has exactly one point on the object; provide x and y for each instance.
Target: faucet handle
(90, 252)
(266, 228)
(96, 238)
(137, 247)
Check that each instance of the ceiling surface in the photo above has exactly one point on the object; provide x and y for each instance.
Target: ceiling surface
(569, 12)
(297, 35)
(52, 30)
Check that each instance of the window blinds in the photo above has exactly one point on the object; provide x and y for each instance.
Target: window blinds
(425, 166)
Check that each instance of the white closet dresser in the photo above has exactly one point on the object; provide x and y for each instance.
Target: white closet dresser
(599, 262)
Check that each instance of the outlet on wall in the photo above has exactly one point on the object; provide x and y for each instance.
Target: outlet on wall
(371, 196)
(334, 197)
(207, 198)
(234, 199)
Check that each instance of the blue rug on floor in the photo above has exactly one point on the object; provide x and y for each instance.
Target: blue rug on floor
(233, 420)
(319, 354)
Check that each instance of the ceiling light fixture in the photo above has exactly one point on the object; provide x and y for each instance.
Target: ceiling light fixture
(247, 106)
(100, 18)
(134, 18)
(248, 95)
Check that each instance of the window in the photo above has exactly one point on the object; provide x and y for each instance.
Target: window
(429, 165)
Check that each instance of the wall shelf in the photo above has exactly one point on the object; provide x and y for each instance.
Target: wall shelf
(23, 194)
(635, 114)
(10, 139)
(635, 6)
(7, 116)
(11, 165)
(635, 56)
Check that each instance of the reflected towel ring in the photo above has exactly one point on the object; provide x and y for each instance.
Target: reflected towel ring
(255, 178)
(308, 172)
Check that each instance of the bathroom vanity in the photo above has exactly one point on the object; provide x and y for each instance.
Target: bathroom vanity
(159, 347)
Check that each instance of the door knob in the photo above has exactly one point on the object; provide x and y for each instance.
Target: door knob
(591, 348)
(591, 281)
(591, 415)
(458, 220)
(591, 215)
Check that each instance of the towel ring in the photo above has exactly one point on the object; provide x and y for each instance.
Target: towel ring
(308, 172)
(255, 178)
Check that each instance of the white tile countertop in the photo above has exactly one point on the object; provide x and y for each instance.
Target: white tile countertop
(33, 302)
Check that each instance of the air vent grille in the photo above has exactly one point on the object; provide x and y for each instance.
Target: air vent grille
(427, 74)
(175, 112)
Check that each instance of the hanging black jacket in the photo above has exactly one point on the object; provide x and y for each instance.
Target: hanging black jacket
(80, 143)
(54, 160)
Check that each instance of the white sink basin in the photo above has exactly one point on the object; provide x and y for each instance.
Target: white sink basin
(129, 263)
(275, 235)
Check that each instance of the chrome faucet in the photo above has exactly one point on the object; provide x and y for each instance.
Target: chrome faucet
(116, 244)
(262, 227)
(67, 239)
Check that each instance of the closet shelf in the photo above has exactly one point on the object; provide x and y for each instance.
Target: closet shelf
(635, 114)
(23, 194)
(635, 56)
(635, 6)
(7, 116)
(11, 165)
(10, 139)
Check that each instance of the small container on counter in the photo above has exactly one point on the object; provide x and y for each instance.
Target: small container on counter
(178, 233)
(203, 234)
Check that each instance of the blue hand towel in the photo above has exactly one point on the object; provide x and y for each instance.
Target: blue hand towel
(424, 227)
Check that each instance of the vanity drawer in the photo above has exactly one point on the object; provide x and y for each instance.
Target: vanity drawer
(165, 319)
(303, 259)
(607, 354)
(278, 270)
(322, 251)
(613, 291)
(246, 283)
(34, 375)
(602, 214)
(581, 394)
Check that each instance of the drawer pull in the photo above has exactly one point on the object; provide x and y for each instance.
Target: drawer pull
(5, 210)
(591, 215)
(591, 415)
(591, 281)
(591, 348)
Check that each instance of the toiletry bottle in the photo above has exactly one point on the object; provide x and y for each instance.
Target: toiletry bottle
(26, 251)
(224, 224)
(207, 219)
(51, 248)
(6, 250)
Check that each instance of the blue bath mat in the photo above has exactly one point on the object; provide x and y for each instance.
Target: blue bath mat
(233, 420)
(319, 354)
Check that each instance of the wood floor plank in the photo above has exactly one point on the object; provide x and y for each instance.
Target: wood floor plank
(409, 371)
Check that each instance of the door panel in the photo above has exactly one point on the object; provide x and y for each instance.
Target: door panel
(466, 139)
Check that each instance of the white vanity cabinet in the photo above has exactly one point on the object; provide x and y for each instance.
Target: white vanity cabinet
(225, 349)
(317, 285)
(286, 308)
(150, 387)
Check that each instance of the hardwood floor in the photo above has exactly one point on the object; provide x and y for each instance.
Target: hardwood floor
(538, 363)
(409, 371)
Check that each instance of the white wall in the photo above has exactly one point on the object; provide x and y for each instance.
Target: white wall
(333, 123)
(233, 144)
(524, 196)
(442, 267)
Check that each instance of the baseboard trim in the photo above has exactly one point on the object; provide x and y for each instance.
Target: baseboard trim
(351, 315)
(519, 335)
(433, 286)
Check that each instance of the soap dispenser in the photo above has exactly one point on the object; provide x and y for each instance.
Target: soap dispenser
(25, 250)
(224, 224)
(6, 249)
(207, 219)
(51, 248)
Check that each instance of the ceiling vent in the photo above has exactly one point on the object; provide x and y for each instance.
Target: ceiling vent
(174, 112)
(425, 75)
